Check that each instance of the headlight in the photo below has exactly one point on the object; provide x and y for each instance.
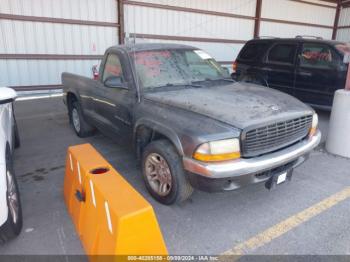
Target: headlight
(218, 151)
(314, 125)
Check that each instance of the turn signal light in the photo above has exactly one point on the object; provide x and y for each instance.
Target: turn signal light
(313, 129)
(217, 158)
(95, 72)
(312, 132)
(234, 66)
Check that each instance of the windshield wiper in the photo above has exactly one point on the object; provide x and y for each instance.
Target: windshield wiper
(185, 84)
(216, 79)
(176, 85)
(228, 80)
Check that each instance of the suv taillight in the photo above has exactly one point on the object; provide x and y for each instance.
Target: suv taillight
(234, 66)
(95, 74)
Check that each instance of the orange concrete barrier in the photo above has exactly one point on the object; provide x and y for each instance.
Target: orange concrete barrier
(110, 216)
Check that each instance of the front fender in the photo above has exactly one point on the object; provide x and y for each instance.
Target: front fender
(161, 129)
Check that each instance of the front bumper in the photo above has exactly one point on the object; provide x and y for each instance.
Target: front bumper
(244, 170)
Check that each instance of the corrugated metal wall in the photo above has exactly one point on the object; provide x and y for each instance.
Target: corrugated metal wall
(343, 34)
(155, 21)
(280, 18)
(298, 12)
(72, 38)
(76, 32)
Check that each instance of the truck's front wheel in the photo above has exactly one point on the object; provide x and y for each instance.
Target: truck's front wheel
(163, 173)
(81, 127)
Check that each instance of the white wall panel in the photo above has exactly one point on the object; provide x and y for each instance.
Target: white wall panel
(167, 22)
(92, 10)
(145, 20)
(242, 7)
(343, 35)
(287, 30)
(344, 19)
(24, 37)
(47, 38)
(322, 3)
(41, 72)
(298, 12)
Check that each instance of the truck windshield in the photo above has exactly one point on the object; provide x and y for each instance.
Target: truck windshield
(166, 68)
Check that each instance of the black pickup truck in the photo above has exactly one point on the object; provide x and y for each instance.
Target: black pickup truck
(190, 124)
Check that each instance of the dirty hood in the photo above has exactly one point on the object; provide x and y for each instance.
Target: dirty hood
(240, 104)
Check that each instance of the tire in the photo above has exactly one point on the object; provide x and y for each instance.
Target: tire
(180, 188)
(13, 225)
(77, 120)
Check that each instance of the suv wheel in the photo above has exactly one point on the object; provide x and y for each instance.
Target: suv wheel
(13, 225)
(80, 126)
(163, 173)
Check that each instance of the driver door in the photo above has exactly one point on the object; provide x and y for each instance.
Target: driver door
(113, 98)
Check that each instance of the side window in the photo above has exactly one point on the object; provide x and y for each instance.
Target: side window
(318, 56)
(252, 51)
(282, 53)
(113, 68)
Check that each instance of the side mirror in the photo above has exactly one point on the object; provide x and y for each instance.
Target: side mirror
(7, 95)
(115, 82)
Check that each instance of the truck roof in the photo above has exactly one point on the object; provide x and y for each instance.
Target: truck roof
(151, 46)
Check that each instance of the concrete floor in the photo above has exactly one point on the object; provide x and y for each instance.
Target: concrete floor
(206, 224)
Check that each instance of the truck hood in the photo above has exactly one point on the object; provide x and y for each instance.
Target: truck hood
(240, 104)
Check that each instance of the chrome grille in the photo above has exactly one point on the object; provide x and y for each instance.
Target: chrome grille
(270, 138)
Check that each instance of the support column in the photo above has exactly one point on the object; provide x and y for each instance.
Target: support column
(336, 20)
(121, 21)
(257, 18)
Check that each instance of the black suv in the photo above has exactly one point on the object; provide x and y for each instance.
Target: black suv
(309, 69)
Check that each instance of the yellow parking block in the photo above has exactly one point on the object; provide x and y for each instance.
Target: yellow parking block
(110, 216)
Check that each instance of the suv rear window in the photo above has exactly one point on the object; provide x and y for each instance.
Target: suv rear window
(320, 56)
(252, 51)
(282, 53)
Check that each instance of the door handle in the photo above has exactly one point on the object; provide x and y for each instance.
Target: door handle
(305, 73)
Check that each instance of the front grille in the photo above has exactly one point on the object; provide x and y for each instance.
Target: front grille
(266, 139)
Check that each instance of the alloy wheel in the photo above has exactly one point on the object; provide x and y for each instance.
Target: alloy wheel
(76, 120)
(12, 197)
(158, 174)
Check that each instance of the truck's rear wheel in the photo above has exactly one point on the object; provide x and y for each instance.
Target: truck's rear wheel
(163, 173)
(80, 126)
(13, 225)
